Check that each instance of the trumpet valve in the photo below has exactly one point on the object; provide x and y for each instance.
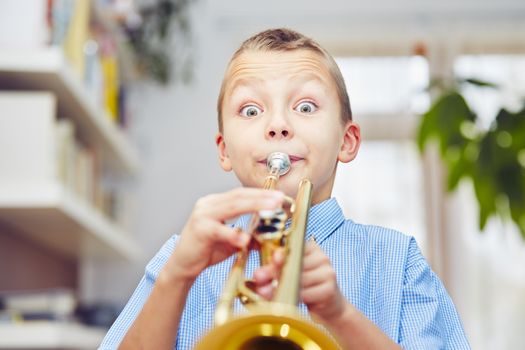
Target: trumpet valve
(269, 232)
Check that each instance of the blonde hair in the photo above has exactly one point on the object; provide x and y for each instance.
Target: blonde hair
(287, 40)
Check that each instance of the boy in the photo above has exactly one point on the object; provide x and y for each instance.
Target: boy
(369, 286)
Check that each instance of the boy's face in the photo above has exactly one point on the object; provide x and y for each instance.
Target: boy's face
(286, 102)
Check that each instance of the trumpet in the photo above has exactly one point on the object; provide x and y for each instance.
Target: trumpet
(276, 323)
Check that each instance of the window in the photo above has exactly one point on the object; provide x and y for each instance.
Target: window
(386, 84)
(383, 186)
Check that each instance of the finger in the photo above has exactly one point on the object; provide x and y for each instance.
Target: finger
(322, 275)
(315, 259)
(316, 294)
(309, 247)
(239, 238)
(220, 233)
(265, 291)
(264, 275)
(279, 257)
(240, 201)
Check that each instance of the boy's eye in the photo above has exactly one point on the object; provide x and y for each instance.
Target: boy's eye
(306, 107)
(251, 111)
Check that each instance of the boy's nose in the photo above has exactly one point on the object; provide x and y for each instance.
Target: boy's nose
(279, 128)
(273, 133)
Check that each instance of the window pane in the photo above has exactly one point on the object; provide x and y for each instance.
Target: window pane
(386, 84)
(383, 186)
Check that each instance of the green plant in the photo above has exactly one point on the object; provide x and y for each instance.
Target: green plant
(493, 159)
(161, 39)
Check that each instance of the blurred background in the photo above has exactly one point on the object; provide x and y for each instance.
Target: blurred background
(107, 125)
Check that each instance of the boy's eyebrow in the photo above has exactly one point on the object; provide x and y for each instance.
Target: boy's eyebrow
(240, 82)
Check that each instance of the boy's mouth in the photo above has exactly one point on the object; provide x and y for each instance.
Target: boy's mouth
(293, 159)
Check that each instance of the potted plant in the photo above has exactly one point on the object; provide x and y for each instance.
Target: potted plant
(492, 159)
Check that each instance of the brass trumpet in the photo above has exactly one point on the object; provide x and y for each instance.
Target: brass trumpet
(275, 324)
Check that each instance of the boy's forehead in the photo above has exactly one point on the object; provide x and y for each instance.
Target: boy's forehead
(258, 64)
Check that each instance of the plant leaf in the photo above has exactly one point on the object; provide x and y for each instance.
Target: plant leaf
(479, 82)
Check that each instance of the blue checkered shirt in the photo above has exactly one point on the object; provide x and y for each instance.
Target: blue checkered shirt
(380, 271)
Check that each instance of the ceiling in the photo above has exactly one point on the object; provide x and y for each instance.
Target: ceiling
(364, 25)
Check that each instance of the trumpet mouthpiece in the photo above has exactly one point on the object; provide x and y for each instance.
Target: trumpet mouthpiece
(278, 162)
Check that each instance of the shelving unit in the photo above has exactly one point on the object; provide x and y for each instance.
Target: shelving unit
(64, 161)
(46, 335)
(47, 69)
(33, 200)
(49, 214)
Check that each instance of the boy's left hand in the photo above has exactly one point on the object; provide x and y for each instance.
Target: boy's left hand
(319, 289)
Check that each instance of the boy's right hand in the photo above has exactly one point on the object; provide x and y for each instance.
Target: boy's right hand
(206, 239)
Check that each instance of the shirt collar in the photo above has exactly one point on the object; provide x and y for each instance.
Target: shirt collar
(323, 219)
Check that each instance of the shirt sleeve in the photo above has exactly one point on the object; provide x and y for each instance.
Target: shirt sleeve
(137, 300)
(429, 319)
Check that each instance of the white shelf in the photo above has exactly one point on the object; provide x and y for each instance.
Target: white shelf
(49, 335)
(51, 215)
(47, 69)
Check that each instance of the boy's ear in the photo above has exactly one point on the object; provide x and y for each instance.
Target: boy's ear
(224, 160)
(351, 142)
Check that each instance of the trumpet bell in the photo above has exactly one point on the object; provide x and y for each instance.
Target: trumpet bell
(268, 326)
